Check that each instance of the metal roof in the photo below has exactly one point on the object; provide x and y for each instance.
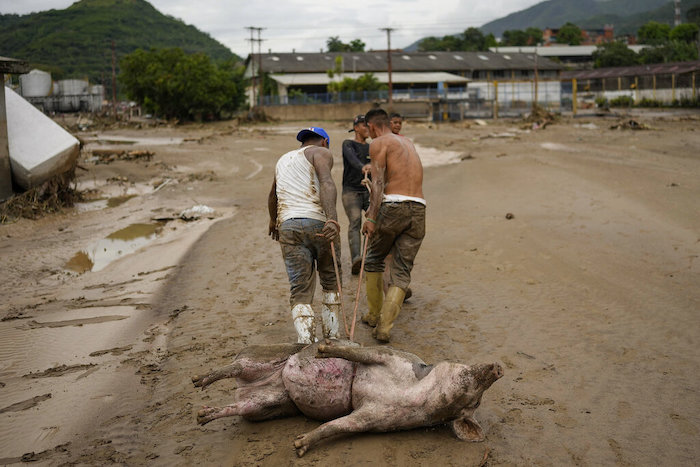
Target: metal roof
(637, 70)
(369, 62)
(559, 50)
(12, 65)
(300, 79)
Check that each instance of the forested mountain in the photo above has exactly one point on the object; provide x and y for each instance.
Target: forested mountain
(625, 15)
(77, 42)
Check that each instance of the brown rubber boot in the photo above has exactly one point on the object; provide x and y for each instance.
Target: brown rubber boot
(390, 310)
(375, 298)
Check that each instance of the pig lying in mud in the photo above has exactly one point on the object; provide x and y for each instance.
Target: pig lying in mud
(353, 388)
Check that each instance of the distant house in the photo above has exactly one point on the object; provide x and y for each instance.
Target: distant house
(413, 73)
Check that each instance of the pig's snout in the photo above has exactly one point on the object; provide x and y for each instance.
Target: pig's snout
(497, 371)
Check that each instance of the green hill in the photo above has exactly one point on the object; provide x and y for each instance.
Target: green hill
(626, 15)
(76, 42)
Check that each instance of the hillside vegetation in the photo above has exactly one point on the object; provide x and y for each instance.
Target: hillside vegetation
(76, 42)
(627, 16)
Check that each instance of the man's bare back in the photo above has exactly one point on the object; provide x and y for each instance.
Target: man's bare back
(403, 171)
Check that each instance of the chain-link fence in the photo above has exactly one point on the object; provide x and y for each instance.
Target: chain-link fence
(586, 95)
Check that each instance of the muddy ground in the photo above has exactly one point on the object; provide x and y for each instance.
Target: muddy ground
(588, 295)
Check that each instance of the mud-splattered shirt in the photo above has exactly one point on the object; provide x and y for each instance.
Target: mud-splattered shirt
(298, 188)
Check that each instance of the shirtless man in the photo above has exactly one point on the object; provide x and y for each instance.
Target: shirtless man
(395, 220)
(303, 219)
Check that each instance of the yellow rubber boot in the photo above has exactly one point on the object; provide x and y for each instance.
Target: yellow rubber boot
(375, 298)
(390, 310)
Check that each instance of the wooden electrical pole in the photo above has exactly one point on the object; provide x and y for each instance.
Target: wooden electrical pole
(114, 81)
(388, 59)
(252, 65)
(260, 93)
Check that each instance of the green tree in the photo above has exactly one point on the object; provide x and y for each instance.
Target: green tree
(569, 34)
(693, 15)
(515, 37)
(534, 36)
(653, 33)
(173, 84)
(472, 39)
(668, 52)
(614, 54)
(356, 45)
(430, 43)
(334, 44)
(687, 32)
(366, 82)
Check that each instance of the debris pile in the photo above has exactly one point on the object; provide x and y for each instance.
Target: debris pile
(51, 196)
(630, 124)
(539, 118)
(107, 156)
(197, 212)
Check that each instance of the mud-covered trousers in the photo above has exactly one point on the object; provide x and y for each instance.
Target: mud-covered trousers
(304, 251)
(354, 203)
(400, 230)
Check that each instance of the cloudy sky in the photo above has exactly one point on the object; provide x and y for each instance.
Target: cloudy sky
(305, 25)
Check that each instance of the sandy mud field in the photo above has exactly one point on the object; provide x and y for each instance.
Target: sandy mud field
(588, 294)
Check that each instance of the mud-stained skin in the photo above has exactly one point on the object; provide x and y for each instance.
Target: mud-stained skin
(356, 388)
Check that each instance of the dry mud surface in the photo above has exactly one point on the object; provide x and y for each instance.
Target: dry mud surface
(588, 295)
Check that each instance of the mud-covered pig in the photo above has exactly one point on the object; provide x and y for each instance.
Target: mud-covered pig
(353, 389)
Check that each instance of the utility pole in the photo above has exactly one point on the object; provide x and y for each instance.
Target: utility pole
(255, 70)
(260, 67)
(114, 81)
(534, 101)
(677, 17)
(388, 57)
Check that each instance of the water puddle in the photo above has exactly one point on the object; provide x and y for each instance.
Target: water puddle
(118, 200)
(102, 203)
(114, 246)
(558, 147)
(431, 157)
(91, 205)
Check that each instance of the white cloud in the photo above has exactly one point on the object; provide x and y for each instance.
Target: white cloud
(305, 25)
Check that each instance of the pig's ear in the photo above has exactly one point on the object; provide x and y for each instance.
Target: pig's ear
(468, 429)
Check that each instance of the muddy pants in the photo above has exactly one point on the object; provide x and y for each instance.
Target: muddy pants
(354, 203)
(400, 230)
(303, 251)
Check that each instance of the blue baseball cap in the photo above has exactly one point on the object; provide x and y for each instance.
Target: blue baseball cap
(314, 130)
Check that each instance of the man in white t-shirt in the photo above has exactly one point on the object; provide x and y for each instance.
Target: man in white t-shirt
(303, 219)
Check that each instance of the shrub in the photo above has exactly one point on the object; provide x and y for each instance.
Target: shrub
(622, 101)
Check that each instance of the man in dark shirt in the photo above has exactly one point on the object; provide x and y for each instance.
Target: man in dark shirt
(355, 194)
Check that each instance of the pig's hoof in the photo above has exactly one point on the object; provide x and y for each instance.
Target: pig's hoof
(204, 415)
(301, 445)
(198, 381)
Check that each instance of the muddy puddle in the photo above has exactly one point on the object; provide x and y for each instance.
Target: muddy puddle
(431, 157)
(102, 203)
(116, 245)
